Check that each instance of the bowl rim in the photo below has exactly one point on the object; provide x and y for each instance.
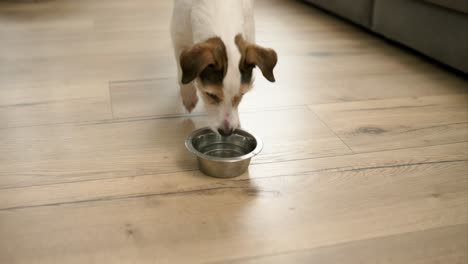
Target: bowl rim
(192, 149)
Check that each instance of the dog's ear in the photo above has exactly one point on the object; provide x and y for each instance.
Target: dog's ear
(254, 55)
(195, 60)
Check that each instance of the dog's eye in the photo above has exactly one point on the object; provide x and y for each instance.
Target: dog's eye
(213, 97)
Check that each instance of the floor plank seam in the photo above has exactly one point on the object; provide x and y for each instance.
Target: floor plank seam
(236, 260)
(430, 127)
(97, 179)
(329, 128)
(177, 116)
(386, 99)
(252, 164)
(413, 147)
(347, 169)
(45, 102)
(125, 197)
(40, 125)
(117, 82)
(111, 103)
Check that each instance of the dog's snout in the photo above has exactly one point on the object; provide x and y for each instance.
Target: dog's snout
(225, 132)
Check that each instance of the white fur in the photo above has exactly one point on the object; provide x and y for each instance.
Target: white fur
(194, 21)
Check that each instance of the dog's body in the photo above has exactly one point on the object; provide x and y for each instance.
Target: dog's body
(213, 44)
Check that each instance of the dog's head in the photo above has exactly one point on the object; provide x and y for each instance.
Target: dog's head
(223, 74)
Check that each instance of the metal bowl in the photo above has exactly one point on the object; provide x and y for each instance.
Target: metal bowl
(223, 157)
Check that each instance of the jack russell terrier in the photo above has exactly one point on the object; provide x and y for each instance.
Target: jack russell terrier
(214, 45)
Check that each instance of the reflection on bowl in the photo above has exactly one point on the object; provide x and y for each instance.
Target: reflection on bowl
(223, 157)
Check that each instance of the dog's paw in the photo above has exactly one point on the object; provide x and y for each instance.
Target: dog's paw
(190, 103)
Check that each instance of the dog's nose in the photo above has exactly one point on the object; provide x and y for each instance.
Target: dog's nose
(225, 132)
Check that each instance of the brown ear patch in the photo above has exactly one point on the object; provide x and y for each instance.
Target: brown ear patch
(254, 55)
(207, 59)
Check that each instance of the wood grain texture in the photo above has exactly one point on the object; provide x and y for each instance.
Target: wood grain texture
(51, 103)
(82, 151)
(365, 158)
(155, 97)
(242, 218)
(88, 188)
(404, 122)
(439, 245)
(152, 97)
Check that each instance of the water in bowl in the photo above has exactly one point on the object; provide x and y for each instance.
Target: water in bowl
(215, 145)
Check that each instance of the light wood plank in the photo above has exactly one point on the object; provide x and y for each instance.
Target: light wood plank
(51, 103)
(126, 66)
(241, 218)
(70, 152)
(440, 245)
(138, 98)
(85, 43)
(66, 41)
(437, 158)
(396, 123)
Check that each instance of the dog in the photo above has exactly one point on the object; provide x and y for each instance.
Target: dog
(214, 45)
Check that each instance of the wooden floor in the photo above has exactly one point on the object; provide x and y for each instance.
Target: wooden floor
(365, 158)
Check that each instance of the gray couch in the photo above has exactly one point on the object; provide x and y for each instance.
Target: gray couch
(436, 28)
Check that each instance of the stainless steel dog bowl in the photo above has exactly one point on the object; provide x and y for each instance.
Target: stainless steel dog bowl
(223, 157)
